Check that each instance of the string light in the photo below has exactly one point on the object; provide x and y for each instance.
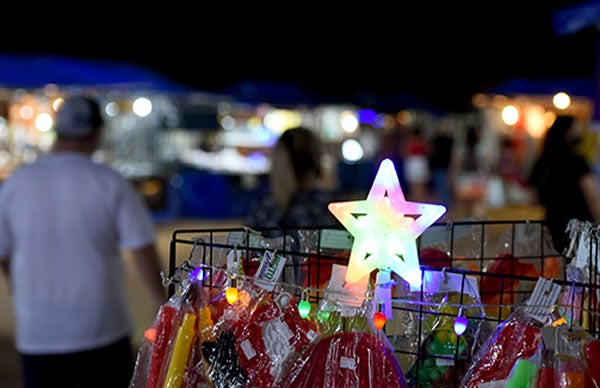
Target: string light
(460, 323)
(197, 274)
(150, 334)
(379, 318)
(231, 294)
(304, 305)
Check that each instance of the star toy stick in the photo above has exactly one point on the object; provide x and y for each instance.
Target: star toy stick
(385, 227)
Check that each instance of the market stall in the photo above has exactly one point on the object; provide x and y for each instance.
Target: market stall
(391, 298)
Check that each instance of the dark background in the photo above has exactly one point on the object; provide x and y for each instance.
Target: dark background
(439, 52)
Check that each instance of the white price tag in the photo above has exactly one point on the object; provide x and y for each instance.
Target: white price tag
(351, 294)
(544, 296)
(336, 239)
(269, 270)
(446, 282)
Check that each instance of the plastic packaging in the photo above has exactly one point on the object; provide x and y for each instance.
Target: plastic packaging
(518, 337)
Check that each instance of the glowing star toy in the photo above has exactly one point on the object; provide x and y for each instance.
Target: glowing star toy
(385, 228)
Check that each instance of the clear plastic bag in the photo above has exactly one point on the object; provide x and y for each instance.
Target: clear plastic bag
(352, 353)
(519, 336)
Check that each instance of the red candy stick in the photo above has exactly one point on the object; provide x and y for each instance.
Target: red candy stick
(163, 332)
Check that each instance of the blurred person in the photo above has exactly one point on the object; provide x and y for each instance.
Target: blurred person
(468, 174)
(64, 221)
(563, 181)
(416, 165)
(510, 170)
(391, 146)
(440, 160)
(298, 196)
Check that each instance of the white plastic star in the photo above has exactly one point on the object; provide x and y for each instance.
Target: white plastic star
(385, 227)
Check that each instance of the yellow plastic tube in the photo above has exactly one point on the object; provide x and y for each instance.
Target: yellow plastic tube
(181, 351)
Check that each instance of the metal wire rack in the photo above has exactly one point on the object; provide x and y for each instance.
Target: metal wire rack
(504, 258)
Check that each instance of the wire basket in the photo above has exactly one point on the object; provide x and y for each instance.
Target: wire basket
(493, 267)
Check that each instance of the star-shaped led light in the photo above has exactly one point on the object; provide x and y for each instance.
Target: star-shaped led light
(385, 227)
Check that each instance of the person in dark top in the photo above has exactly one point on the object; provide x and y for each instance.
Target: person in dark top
(440, 159)
(563, 181)
(297, 198)
(468, 174)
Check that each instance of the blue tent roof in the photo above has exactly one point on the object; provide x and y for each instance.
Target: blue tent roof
(569, 20)
(292, 94)
(35, 71)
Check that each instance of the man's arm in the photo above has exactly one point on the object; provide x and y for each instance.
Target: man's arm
(147, 261)
(5, 265)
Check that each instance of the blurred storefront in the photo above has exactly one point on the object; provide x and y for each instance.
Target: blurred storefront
(196, 154)
(516, 116)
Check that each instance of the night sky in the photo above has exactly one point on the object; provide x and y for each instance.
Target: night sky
(441, 54)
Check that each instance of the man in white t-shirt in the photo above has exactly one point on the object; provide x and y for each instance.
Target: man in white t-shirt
(65, 222)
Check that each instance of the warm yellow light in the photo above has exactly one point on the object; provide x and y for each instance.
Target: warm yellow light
(549, 118)
(57, 103)
(479, 100)
(561, 100)
(510, 115)
(534, 121)
(231, 295)
(405, 117)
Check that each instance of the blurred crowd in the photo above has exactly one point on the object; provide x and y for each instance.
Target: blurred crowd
(469, 168)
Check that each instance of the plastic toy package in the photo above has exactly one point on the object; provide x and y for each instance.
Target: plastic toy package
(518, 337)
(571, 357)
(567, 357)
(444, 355)
(166, 356)
(251, 346)
(583, 270)
(423, 328)
(349, 353)
(505, 250)
(524, 249)
(152, 351)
